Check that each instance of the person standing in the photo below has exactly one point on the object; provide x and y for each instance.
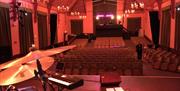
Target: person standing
(139, 50)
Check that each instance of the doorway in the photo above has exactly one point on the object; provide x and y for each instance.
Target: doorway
(76, 26)
(42, 31)
(155, 26)
(5, 35)
(134, 25)
(25, 32)
(53, 28)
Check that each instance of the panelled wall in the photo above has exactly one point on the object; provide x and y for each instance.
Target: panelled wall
(173, 25)
(17, 27)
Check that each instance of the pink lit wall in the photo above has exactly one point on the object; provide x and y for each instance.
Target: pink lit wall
(147, 26)
(61, 26)
(172, 33)
(88, 22)
(68, 24)
(15, 37)
(120, 5)
(36, 33)
(5, 1)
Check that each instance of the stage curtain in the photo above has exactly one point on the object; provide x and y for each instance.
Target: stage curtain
(177, 31)
(165, 28)
(25, 31)
(42, 28)
(53, 28)
(5, 33)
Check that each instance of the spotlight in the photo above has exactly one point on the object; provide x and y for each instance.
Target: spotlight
(97, 18)
(25, 13)
(178, 9)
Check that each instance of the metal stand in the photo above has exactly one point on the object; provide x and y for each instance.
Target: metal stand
(42, 76)
(11, 87)
(44, 85)
(60, 88)
(1, 88)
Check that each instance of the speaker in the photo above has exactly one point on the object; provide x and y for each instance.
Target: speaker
(110, 79)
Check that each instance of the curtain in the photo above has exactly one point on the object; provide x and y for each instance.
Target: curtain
(53, 28)
(5, 34)
(155, 25)
(177, 31)
(25, 31)
(165, 30)
(42, 28)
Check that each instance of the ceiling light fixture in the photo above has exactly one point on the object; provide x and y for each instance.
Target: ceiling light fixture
(63, 8)
(134, 5)
(137, 5)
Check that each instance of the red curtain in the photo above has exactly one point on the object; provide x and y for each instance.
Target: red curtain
(172, 8)
(159, 6)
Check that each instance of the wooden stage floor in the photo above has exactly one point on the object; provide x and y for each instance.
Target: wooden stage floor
(129, 83)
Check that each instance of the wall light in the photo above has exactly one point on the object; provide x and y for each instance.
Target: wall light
(178, 9)
(112, 17)
(97, 18)
(119, 17)
(82, 16)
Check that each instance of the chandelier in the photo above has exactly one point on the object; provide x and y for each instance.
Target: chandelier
(63, 8)
(137, 5)
(129, 11)
(75, 13)
(134, 6)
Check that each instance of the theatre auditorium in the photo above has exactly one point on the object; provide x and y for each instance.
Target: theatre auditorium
(89, 45)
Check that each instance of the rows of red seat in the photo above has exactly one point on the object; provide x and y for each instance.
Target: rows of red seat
(163, 59)
(93, 61)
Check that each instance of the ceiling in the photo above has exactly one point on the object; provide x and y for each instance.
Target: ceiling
(79, 5)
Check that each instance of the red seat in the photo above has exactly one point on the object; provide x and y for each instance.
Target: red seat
(68, 68)
(84, 69)
(165, 63)
(173, 65)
